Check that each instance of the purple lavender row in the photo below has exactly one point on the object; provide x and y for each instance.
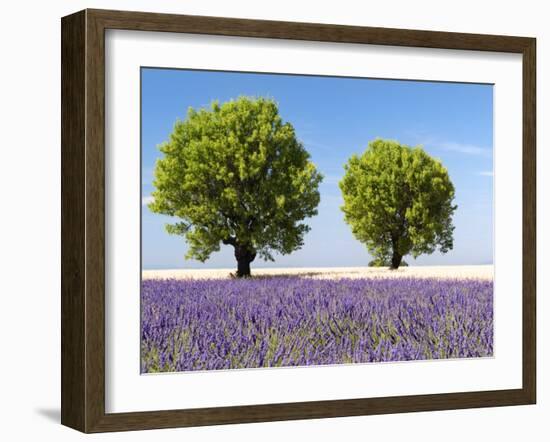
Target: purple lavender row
(284, 321)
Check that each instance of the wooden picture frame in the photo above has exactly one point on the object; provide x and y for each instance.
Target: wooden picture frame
(83, 220)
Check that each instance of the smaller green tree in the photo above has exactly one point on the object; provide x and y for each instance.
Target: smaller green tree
(398, 201)
(236, 174)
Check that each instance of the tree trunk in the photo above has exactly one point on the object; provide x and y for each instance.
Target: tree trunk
(244, 257)
(243, 268)
(395, 260)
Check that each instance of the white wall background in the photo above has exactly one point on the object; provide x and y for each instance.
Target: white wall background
(30, 217)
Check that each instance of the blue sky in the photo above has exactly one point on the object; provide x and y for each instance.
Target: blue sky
(335, 117)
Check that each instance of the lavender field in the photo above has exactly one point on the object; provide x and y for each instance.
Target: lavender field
(214, 324)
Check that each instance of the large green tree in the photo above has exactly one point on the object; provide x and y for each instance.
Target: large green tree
(236, 174)
(398, 201)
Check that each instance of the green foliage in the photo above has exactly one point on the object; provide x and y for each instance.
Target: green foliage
(378, 262)
(398, 201)
(236, 174)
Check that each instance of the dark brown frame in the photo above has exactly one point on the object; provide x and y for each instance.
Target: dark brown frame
(83, 217)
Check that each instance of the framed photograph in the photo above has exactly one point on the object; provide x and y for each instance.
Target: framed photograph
(266, 221)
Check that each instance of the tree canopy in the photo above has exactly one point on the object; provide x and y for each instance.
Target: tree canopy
(236, 174)
(398, 201)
